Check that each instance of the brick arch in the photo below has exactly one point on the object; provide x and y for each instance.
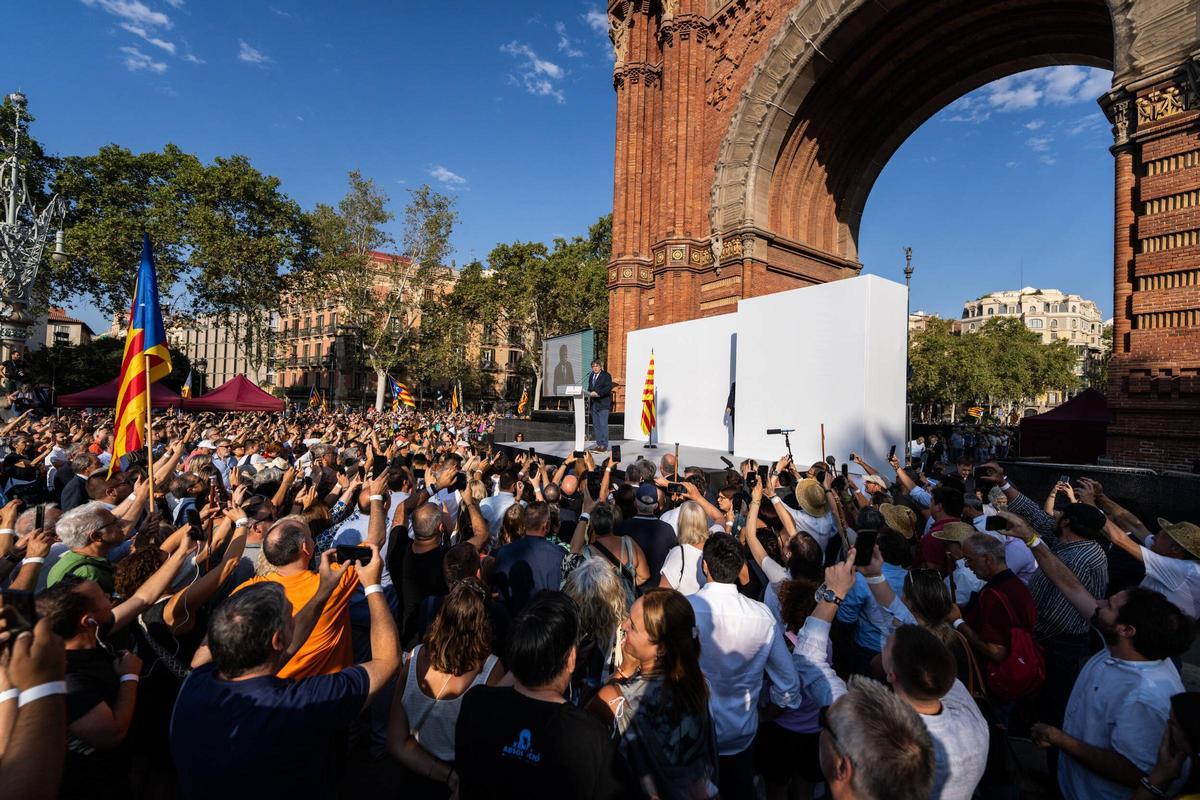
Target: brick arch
(749, 134)
(843, 85)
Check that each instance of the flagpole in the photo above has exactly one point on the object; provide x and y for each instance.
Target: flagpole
(149, 430)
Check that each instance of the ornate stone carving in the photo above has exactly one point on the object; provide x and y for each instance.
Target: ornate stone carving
(701, 256)
(670, 9)
(737, 33)
(644, 275)
(731, 248)
(660, 257)
(1121, 116)
(640, 73)
(1163, 103)
(747, 245)
(627, 273)
(619, 22)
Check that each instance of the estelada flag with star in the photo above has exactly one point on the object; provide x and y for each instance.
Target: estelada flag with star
(146, 361)
(524, 400)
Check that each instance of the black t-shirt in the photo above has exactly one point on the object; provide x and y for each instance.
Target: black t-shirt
(91, 680)
(417, 576)
(655, 537)
(508, 745)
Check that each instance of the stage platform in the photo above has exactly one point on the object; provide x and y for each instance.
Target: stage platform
(631, 451)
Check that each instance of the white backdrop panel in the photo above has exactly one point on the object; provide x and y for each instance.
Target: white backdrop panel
(694, 363)
(831, 353)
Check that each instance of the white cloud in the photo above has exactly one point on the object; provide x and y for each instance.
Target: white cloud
(194, 59)
(175, 3)
(445, 176)
(537, 75)
(136, 61)
(1039, 144)
(134, 11)
(280, 12)
(1061, 85)
(1048, 160)
(138, 30)
(1012, 164)
(251, 55)
(597, 20)
(565, 45)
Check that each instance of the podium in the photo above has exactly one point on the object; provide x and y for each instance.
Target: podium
(576, 395)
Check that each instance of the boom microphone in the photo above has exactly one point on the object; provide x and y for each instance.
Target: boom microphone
(777, 431)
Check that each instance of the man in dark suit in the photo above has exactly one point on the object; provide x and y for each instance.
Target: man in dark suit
(600, 386)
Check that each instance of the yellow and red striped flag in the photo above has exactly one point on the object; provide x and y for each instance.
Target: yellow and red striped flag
(649, 420)
(146, 361)
(524, 400)
(454, 399)
(401, 394)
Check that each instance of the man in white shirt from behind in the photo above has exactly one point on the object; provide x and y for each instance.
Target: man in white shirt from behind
(739, 641)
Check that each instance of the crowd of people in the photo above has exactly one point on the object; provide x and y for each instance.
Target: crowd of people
(268, 605)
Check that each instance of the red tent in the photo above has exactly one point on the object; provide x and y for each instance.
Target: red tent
(236, 394)
(105, 396)
(1073, 433)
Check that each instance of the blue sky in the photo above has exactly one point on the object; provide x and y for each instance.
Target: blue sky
(515, 114)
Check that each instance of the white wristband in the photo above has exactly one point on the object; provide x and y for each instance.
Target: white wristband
(1004, 487)
(9, 694)
(374, 588)
(584, 517)
(7, 532)
(241, 523)
(40, 691)
(375, 497)
(130, 677)
(958, 623)
(876, 578)
(33, 560)
(775, 499)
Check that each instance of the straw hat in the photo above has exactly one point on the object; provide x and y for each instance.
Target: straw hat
(955, 532)
(1184, 534)
(811, 497)
(900, 518)
(877, 480)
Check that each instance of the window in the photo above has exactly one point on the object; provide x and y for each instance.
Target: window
(489, 331)
(320, 321)
(514, 358)
(1003, 308)
(1047, 311)
(488, 355)
(332, 319)
(964, 316)
(427, 294)
(1074, 324)
(305, 351)
(1052, 398)
(991, 311)
(1036, 324)
(1073, 309)
(1054, 324)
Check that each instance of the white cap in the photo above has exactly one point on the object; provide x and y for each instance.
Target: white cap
(311, 442)
(207, 443)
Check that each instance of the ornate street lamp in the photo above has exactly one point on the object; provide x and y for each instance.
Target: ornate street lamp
(24, 232)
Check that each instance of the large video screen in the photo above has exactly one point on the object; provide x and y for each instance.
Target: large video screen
(566, 361)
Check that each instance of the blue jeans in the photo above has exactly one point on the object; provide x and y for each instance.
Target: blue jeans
(600, 425)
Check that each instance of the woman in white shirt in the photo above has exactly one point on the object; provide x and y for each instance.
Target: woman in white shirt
(682, 569)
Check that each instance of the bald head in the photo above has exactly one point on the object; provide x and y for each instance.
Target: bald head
(569, 484)
(289, 541)
(427, 521)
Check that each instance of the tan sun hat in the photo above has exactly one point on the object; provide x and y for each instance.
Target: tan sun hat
(877, 480)
(955, 532)
(900, 519)
(811, 497)
(1184, 534)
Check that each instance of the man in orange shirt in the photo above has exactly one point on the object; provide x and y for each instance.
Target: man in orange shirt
(289, 548)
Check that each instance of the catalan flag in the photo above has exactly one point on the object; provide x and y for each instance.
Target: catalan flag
(524, 400)
(314, 397)
(146, 361)
(454, 401)
(400, 394)
(186, 391)
(649, 419)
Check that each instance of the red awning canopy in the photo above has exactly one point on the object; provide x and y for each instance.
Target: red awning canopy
(105, 396)
(1073, 433)
(236, 394)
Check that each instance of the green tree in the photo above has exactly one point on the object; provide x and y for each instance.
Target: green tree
(72, 368)
(539, 292)
(224, 230)
(382, 298)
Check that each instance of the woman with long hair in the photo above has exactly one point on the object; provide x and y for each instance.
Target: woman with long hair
(512, 525)
(683, 569)
(658, 702)
(596, 589)
(455, 656)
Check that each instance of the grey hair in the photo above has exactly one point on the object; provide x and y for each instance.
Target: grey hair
(76, 527)
(888, 744)
(284, 541)
(268, 475)
(986, 545)
(693, 524)
(81, 459)
(318, 451)
(28, 519)
(596, 589)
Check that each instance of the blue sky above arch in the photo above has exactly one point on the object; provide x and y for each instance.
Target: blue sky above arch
(514, 113)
